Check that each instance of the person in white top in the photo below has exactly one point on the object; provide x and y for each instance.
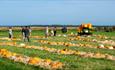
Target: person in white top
(52, 31)
(10, 33)
(23, 34)
(30, 31)
(47, 32)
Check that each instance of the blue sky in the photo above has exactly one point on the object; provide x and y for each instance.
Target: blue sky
(20, 12)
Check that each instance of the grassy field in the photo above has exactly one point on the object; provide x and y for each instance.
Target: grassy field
(72, 62)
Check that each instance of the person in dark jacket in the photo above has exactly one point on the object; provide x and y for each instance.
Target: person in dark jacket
(64, 29)
(26, 33)
(55, 31)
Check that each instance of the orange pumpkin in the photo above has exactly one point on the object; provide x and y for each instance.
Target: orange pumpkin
(56, 65)
(34, 60)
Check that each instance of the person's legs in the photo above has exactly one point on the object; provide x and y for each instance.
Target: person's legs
(46, 35)
(54, 33)
(9, 35)
(28, 39)
(25, 37)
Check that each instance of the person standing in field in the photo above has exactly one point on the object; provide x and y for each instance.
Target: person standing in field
(23, 32)
(10, 33)
(64, 29)
(26, 34)
(47, 32)
(52, 32)
(55, 31)
(30, 30)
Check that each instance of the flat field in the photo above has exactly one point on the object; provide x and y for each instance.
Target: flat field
(65, 46)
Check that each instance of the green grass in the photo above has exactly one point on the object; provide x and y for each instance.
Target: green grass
(72, 62)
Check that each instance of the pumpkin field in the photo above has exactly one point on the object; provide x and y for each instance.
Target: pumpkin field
(62, 52)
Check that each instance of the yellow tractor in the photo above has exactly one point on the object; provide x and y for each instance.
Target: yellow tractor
(85, 29)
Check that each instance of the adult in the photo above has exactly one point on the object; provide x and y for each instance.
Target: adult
(55, 31)
(10, 32)
(26, 34)
(30, 30)
(47, 32)
(52, 31)
(23, 32)
(64, 29)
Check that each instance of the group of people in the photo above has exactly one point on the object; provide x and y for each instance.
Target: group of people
(26, 32)
(51, 32)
